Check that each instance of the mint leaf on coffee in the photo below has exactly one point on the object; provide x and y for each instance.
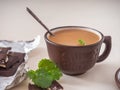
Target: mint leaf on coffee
(46, 73)
(81, 42)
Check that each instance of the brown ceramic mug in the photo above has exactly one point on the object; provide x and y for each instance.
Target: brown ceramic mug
(76, 60)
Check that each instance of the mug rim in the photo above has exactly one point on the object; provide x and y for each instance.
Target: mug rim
(79, 27)
(116, 77)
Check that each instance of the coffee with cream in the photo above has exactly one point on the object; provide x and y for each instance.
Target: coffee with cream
(71, 37)
(66, 51)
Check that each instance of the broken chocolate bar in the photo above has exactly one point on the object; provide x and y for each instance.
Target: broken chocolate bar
(4, 49)
(3, 59)
(9, 72)
(14, 57)
(3, 56)
(34, 87)
(14, 60)
(9, 58)
(55, 86)
(6, 61)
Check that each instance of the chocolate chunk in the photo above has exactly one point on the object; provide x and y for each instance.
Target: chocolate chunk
(7, 60)
(3, 56)
(55, 86)
(11, 61)
(2, 60)
(34, 87)
(14, 57)
(9, 72)
(17, 54)
(14, 60)
(4, 50)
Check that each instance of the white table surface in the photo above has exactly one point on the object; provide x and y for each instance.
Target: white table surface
(104, 15)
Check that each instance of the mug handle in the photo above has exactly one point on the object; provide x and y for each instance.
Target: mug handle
(107, 42)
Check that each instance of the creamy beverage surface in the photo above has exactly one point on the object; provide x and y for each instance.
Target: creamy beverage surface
(71, 37)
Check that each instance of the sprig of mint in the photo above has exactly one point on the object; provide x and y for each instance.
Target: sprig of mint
(81, 42)
(46, 73)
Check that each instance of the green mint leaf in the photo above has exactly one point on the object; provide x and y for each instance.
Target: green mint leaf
(51, 68)
(46, 73)
(47, 64)
(81, 42)
(55, 73)
(43, 79)
(31, 74)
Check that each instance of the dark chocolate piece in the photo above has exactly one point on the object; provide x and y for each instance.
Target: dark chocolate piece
(2, 59)
(19, 57)
(3, 56)
(7, 60)
(34, 87)
(4, 49)
(17, 54)
(55, 86)
(9, 72)
(11, 60)
(14, 57)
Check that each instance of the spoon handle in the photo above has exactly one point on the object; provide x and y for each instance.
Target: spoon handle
(39, 21)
